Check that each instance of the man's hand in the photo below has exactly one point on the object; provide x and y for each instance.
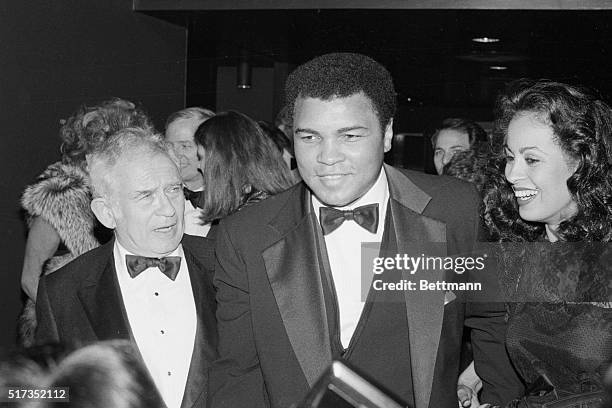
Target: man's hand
(468, 386)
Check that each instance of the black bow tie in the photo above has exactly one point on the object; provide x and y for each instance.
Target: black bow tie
(366, 216)
(193, 196)
(169, 265)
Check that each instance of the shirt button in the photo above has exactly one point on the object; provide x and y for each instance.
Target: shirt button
(156, 293)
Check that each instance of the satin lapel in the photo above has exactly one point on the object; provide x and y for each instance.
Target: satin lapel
(205, 338)
(101, 299)
(424, 309)
(295, 278)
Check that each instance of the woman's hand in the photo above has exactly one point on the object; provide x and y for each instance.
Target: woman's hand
(468, 386)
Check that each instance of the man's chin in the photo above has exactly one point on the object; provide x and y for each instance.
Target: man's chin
(333, 200)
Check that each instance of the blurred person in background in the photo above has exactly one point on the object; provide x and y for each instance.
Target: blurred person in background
(284, 122)
(240, 163)
(284, 146)
(180, 131)
(100, 375)
(452, 136)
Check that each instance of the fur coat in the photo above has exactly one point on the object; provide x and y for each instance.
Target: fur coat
(61, 196)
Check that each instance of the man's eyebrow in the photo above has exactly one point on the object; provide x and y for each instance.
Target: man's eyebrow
(305, 130)
(351, 128)
(341, 130)
(139, 193)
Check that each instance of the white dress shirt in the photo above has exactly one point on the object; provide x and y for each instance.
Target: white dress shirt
(193, 219)
(162, 317)
(344, 252)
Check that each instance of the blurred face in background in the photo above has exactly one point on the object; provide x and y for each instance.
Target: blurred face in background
(449, 142)
(180, 134)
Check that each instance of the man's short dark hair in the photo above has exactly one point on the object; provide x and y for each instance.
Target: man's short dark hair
(340, 75)
(475, 132)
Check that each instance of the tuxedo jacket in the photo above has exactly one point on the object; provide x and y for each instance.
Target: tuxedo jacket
(81, 303)
(274, 338)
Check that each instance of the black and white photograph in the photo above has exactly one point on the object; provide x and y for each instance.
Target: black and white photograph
(306, 203)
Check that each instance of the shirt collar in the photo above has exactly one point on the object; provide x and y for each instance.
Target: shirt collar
(123, 252)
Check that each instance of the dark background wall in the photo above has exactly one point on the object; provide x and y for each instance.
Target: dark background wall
(54, 56)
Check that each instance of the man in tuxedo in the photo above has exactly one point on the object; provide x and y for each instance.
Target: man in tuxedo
(151, 283)
(180, 130)
(287, 302)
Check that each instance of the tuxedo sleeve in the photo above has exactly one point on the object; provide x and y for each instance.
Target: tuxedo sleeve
(236, 379)
(46, 329)
(501, 383)
(487, 320)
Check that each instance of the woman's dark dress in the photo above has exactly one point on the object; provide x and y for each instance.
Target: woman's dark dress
(559, 319)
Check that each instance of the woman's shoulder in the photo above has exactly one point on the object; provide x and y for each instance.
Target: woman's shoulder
(58, 183)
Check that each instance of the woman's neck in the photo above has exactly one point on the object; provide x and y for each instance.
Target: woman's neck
(551, 232)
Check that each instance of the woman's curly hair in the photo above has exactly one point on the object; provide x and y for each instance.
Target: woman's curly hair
(471, 165)
(582, 127)
(84, 131)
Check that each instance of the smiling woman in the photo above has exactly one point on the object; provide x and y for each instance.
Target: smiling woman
(554, 184)
(557, 145)
(538, 169)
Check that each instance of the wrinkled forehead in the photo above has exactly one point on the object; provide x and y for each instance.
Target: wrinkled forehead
(141, 167)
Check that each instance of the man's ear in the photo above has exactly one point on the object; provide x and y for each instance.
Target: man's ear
(103, 212)
(388, 136)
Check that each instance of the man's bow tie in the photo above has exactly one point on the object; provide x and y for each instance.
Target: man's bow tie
(169, 265)
(193, 197)
(366, 216)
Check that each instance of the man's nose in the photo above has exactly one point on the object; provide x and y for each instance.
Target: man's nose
(447, 157)
(165, 206)
(330, 153)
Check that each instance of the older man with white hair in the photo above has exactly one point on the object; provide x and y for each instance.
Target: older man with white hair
(151, 283)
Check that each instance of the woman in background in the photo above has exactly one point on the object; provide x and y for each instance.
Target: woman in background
(61, 224)
(240, 164)
(555, 185)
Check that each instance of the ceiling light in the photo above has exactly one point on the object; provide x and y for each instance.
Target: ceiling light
(485, 40)
(498, 67)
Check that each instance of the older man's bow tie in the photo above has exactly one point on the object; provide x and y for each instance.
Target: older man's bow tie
(366, 216)
(193, 197)
(169, 265)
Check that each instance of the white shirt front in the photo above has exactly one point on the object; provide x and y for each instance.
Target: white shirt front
(162, 316)
(344, 252)
(193, 220)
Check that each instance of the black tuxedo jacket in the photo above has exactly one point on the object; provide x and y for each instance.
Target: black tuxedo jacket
(81, 303)
(274, 337)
